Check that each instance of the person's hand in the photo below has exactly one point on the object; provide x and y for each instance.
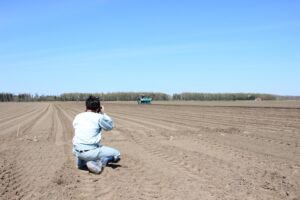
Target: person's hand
(101, 109)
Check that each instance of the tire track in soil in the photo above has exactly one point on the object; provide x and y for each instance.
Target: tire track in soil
(134, 179)
(23, 166)
(13, 114)
(265, 165)
(226, 123)
(16, 131)
(19, 121)
(234, 132)
(157, 153)
(237, 114)
(153, 125)
(234, 136)
(162, 173)
(146, 176)
(64, 180)
(157, 150)
(234, 114)
(190, 172)
(250, 133)
(46, 155)
(258, 168)
(277, 148)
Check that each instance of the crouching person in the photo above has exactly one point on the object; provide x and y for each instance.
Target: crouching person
(87, 147)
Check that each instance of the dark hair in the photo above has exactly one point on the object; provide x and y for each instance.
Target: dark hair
(92, 103)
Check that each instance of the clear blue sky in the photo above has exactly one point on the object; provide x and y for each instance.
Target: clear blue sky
(171, 46)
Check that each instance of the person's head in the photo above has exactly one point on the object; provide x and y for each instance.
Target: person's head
(93, 103)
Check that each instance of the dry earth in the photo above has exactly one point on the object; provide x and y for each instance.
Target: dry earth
(169, 151)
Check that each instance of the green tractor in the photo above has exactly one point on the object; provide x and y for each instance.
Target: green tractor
(144, 100)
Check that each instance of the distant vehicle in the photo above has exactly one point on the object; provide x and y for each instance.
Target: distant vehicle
(144, 100)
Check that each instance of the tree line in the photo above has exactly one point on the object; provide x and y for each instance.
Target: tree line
(132, 96)
(188, 96)
(114, 96)
(24, 97)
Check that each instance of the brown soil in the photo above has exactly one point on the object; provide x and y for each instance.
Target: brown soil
(214, 150)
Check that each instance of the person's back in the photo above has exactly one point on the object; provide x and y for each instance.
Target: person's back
(87, 128)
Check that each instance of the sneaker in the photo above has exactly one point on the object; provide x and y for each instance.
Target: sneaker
(105, 160)
(109, 159)
(94, 166)
(116, 159)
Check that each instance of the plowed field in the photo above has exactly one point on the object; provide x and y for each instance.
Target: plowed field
(169, 151)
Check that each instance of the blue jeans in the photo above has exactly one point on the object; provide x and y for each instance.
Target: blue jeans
(97, 153)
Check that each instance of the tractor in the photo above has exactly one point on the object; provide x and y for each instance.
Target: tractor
(144, 100)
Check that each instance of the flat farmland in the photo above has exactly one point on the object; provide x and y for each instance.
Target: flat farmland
(170, 150)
